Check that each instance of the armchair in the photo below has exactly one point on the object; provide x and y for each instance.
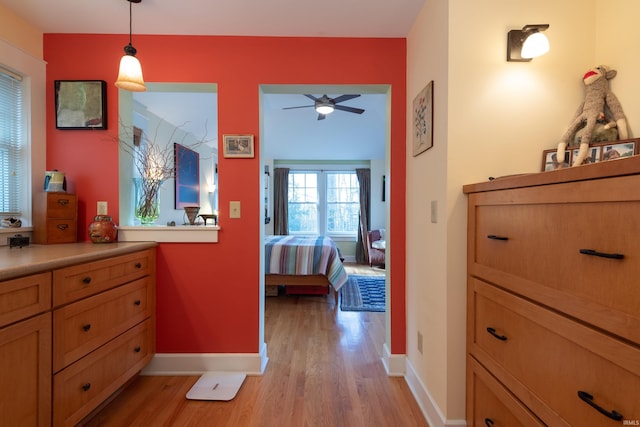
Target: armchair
(376, 256)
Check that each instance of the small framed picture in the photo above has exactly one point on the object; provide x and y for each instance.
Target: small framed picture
(550, 160)
(593, 154)
(423, 120)
(238, 146)
(620, 149)
(81, 104)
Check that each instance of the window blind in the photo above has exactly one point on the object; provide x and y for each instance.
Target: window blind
(11, 147)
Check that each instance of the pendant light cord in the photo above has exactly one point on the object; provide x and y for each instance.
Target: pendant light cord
(130, 23)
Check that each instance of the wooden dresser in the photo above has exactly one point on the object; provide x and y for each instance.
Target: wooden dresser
(553, 328)
(55, 218)
(73, 331)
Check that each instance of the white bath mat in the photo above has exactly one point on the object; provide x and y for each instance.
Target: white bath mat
(216, 386)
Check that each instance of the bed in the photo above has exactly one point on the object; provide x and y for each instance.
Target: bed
(303, 261)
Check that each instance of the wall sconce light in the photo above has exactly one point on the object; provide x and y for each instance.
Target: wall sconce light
(324, 105)
(130, 73)
(522, 45)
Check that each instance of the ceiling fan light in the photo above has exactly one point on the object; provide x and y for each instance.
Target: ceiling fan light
(324, 108)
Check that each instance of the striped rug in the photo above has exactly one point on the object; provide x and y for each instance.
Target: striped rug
(363, 293)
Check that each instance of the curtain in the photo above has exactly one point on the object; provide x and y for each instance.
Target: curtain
(281, 201)
(362, 250)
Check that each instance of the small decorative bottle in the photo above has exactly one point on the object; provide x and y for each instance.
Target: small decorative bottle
(103, 229)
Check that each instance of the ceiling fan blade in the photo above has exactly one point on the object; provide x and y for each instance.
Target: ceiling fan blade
(321, 116)
(349, 109)
(311, 97)
(301, 106)
(343, 98)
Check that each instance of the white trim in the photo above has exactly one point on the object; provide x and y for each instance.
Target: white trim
(429, 407)
(199, 363)
(394, 364)
(163, 233)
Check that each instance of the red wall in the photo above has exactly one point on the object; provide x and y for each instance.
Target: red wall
(207, 298)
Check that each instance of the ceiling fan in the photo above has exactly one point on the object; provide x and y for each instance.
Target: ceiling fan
(325, 105)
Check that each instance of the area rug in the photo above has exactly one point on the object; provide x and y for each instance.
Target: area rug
(363, 293)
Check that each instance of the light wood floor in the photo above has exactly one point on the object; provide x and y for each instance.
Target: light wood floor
(324, 369)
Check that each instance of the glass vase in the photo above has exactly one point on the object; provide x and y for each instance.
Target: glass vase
(147, 200)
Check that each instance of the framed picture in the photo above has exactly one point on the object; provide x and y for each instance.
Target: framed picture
(593, 154)
(598, 152)
(620, 149)
(423, 120)
(550, 160)
(187, 164)
(238, 146)
(81, 104)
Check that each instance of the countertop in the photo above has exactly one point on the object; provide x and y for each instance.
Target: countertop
(17, 262)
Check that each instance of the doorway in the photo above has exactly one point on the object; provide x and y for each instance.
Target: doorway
(291, 130)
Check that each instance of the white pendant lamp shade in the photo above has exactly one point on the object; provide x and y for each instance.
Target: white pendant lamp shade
(535, 45)
(130, 74)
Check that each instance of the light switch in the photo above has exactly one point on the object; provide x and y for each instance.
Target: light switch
(434, 211)
(234, 209)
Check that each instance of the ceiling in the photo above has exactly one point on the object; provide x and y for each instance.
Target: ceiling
(287, 134)
(297, 18)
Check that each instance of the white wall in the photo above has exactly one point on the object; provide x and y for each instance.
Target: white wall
(492, 118)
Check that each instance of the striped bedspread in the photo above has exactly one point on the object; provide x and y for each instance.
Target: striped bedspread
(295, 255)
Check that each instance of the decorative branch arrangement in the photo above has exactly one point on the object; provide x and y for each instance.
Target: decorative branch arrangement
(154, 164)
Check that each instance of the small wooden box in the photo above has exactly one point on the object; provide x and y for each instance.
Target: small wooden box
(55, 218)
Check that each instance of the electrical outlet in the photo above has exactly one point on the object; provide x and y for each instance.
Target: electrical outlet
(420, 342)
(102, 208)
(234, 209)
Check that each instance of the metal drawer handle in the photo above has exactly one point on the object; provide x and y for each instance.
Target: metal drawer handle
(586, 397)
(86, 280)
(137, 349)
(488, 422)
(86, 387)
(86, 327)
(63, 201)
(492, 331)
(62, 226)
(601, 254)
(494, 237)
(138, 265)
(137, 302)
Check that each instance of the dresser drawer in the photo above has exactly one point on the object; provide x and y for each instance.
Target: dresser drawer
(547, 359)
(565, 255)
(79, 388)
(85, 325)
(490, 404)
(80, 281)
(24, 297)
(61, 205)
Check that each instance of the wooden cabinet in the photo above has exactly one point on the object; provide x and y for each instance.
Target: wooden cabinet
(553, 297)
(55, 218)
(25, 351)
(73, 332)
(103, 330)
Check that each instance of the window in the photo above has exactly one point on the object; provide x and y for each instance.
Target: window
(324, 203)
(11, 146)
(304, 203)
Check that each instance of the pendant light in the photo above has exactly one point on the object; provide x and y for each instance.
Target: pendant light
(130, 74)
